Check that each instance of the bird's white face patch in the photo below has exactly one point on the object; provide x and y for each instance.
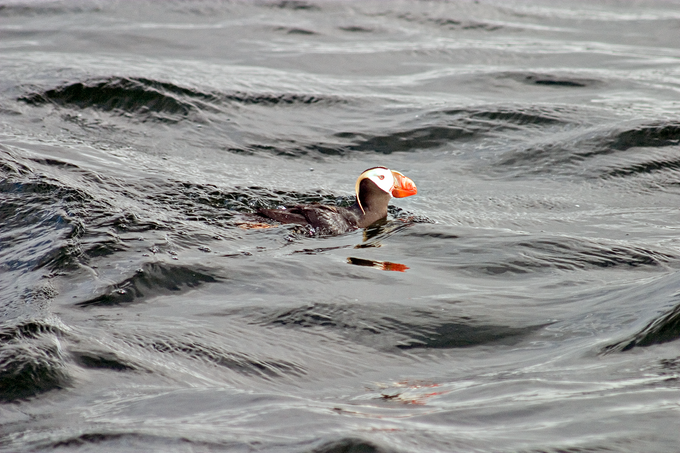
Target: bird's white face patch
(382, 177)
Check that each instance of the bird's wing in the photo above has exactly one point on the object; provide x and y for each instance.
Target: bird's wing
(328, 219)
(284, 215)
(324, 219)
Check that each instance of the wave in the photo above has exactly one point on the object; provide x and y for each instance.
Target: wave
(565, 253)
(51, 225)
(295, 5)
(512, 255)
(444, 129)
(600, 153)
(552, 80)
(357, 29)
(517, 115)
(410, 140)
(109, 440)
(395, 328)
(146, 99)
(450, 23)
(192, 347)
(98, 360)
(31, 360)
(351, 444)
(152, 279)
(296, 31)
(647, 135)
(663, 329)
(36, 233)
(46, 8)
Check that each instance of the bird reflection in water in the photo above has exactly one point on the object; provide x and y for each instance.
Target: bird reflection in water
(373, 235)
(382, 265)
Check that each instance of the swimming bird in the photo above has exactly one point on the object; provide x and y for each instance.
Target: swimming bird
(374, 189)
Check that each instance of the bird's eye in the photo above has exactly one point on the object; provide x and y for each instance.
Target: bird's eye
(381, 176)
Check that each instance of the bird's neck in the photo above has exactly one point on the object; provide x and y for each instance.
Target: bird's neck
(374, 202)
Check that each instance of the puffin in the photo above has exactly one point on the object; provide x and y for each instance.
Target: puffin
(374, 189)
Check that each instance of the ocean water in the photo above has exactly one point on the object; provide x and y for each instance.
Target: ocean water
(526, 300)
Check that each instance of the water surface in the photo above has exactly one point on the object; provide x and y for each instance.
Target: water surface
(525, 300)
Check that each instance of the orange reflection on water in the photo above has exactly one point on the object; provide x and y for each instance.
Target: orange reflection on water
(382, 265)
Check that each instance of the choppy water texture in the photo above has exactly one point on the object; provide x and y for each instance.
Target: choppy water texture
(526, 300)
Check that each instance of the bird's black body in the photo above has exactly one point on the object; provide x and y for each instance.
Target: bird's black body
(323, 219)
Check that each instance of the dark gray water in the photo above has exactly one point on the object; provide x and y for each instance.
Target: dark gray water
(526, 300)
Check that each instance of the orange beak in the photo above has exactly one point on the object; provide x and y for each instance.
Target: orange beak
(403, 186)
